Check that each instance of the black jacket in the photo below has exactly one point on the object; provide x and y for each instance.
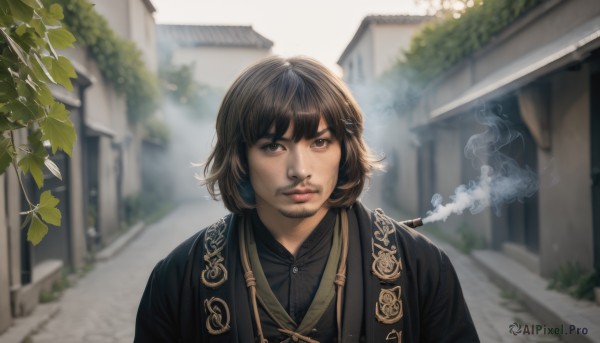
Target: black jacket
(399, 285)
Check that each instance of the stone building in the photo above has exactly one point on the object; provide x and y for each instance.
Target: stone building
(218, 53)
(377, 45)
(541, 74)
(102, 171)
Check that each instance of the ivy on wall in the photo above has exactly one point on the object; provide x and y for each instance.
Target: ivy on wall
(119, 60)
(445, 42)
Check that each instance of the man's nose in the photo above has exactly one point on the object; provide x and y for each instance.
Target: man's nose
(298, 165)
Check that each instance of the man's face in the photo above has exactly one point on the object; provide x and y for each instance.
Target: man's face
(294, 179)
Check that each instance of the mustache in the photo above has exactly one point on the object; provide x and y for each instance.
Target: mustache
(302, 186)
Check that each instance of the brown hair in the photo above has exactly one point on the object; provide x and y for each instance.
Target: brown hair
(274, 93)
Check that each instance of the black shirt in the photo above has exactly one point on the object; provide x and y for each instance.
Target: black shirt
(295, 280)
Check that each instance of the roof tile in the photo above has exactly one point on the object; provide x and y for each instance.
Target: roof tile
(212, 35)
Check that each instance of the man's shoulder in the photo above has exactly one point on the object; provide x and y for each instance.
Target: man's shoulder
(413, 242)
(178, 258)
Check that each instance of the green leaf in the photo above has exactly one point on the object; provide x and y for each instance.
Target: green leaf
(30, 164)
(20, 10)
(23, 89)
(60, 38)
(23, 110)
(38, 26)
(57, 11)
(58, 129)
(16, 48)
(40, 70)
(21, 29)
(53, 168)
(37, 230)
(7, 88)
(47, 209)
(53, 15)
(33, 161)
(61, 70)
(35, 4)
(5, 123)
(7, 152)
(4, 8)
(44, 95)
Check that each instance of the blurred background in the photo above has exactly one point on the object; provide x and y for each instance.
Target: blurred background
(487, 115)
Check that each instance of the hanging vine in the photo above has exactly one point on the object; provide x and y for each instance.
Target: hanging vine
(119, 61)
(444, 42)
(30, 35)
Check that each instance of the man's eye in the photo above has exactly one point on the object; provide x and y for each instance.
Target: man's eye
(271, 147)
(321, 143)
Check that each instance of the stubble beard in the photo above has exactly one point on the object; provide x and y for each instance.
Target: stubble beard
(298, 214)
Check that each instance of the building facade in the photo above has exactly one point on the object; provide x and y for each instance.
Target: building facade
(218, 53)
(377, 45)
(102, 170)
(541, 76)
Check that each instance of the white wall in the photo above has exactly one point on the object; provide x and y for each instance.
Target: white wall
(218, 67)
(142, 32)
(132, 20)
(107, 109)
(565, 183)
(358, 65)
(377, 50)
(390, 41)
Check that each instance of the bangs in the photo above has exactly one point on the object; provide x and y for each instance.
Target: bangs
(288, 100)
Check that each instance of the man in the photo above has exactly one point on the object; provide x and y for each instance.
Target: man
(299, 259)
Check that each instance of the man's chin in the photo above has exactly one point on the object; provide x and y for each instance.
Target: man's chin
(298, 213)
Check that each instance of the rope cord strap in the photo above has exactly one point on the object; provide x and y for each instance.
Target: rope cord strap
(340, 277)
(250, 281)
(331, 283)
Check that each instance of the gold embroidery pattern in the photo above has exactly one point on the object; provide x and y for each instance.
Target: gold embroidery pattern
(215, 272)
(217, 321)
(388, 309)
(386, 265)
(394, 336)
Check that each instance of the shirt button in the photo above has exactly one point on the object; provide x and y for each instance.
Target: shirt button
(294, 269)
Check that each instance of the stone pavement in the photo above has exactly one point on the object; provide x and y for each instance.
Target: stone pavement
(101, 307)
(493, 310)
(579, 319)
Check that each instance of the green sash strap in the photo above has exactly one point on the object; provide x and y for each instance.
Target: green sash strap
(323, 297)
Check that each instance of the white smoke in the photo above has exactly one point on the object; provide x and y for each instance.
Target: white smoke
(501, 181)
(191, 141)
(476, 197)
(381, 107)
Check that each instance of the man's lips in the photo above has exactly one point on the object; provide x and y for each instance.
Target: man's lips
(301, 195)
(300, 191)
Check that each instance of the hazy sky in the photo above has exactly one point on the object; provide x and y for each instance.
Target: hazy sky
(318, 28)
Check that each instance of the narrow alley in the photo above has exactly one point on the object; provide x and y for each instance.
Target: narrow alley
(101, 307)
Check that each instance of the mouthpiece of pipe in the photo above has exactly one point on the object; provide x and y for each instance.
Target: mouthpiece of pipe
(413, 223)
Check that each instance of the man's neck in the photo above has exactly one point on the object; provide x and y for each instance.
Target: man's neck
(291, 232)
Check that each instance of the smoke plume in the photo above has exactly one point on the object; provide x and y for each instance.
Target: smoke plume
(501, 180)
